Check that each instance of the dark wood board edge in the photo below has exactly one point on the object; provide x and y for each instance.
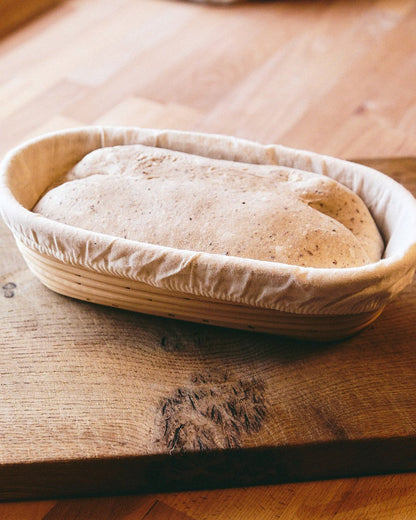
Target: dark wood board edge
(206, 470)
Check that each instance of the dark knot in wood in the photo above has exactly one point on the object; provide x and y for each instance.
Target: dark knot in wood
(212, 412)
(8, 289)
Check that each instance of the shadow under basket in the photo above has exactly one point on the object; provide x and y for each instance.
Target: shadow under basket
(300, 302)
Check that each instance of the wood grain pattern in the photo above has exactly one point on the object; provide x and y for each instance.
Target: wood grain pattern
(82, 382)
(382, 497)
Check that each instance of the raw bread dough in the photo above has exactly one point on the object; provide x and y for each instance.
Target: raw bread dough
(185, 201)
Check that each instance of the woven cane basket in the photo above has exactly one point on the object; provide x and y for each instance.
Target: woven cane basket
(301, 302)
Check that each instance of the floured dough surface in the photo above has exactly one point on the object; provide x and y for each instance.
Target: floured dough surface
(184, 201)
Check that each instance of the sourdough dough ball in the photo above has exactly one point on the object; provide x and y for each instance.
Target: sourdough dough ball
(185, 201)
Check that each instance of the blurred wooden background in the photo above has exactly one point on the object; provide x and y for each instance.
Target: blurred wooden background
(334, 77)
(15, 13)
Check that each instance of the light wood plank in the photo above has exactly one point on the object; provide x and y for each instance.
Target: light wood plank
(147, 113)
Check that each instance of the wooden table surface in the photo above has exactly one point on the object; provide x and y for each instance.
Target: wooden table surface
(337, 78)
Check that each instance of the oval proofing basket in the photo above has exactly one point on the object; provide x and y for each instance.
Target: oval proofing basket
(307, 303)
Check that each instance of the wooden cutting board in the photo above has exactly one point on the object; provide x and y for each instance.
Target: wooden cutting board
(97, 400)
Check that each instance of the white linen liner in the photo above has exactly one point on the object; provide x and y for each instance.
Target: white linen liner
(28, 170)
